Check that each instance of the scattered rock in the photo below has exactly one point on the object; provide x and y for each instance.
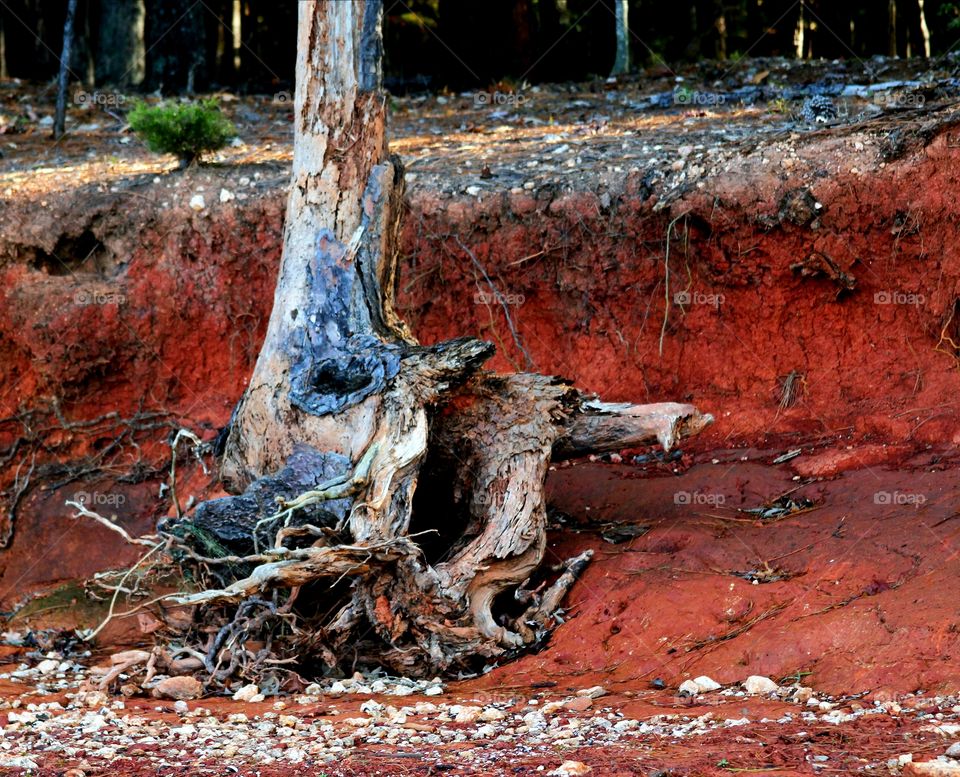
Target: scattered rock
(579, 704)
(571, 768)
(939, 768)
(954, 750)
(178, 688)
(226, 195)
(197, 202)
(595, 692)
(48, 666)
(18, 762)
(248, 693)
(760, 685)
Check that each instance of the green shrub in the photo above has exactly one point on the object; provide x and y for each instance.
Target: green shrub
(185, 129)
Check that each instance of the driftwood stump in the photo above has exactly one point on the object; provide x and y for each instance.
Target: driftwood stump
(404, 477)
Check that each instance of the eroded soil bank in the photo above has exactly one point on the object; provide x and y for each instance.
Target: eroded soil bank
(801, 286)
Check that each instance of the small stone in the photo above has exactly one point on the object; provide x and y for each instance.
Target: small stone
(580, 704)
(181, 707)
(688, 688)
(595, 692)
(178, 688)
(473, 191)
(247, 693)
(226, 195)
(433, 690)
(468, 714)
(485, 732)
(197, 202)
(491, 714)
(932, 769)
(706, 684)
(803, 694)
(18, 762)
(48, 666)
(758, 684)
(571, 769)
(954, 750)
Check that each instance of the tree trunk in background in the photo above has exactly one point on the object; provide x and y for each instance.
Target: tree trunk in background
(798, 33)
(621, 64)
(892, 28)
(121, 53)
(720, 28)
(175, 46)
(345, 409)
(924, 29)
(63, 81)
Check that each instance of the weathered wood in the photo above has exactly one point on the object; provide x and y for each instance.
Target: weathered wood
(347, 418)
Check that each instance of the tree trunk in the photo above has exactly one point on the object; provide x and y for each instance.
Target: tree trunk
(121, 54)
(362, 454)
(892, 28)
(175, 45)
(621, 64)
(924, 29)
(63, 79)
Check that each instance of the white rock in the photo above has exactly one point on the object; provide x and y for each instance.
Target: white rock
(491, 714)
(937, 768)
(433, 690)
(337, 687)
(954, 750)
(48, 666)
(759, 684)
(197, 202)
(226, 195)
(571, 769)
(595, 692)
(706, 684)
(247, 693)
(473, 191)
(688, 688)
(485, 732)
(373, 708)
(18, 762)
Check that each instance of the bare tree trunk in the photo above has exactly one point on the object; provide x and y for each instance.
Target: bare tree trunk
(352, 439)
(121, 54)
(892, 28)
(924, 29)
(798, 33)
(621, 64)
(63, 80)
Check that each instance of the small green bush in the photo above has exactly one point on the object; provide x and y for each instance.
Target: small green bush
(185, 129)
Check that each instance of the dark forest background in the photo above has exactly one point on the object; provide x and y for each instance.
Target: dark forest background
(248, 45)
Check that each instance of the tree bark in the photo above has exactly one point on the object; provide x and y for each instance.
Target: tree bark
(121, 54)
(362, 454)
(621, 63)
(63, 79)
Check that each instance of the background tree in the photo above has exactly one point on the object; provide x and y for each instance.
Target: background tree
(120, 51)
